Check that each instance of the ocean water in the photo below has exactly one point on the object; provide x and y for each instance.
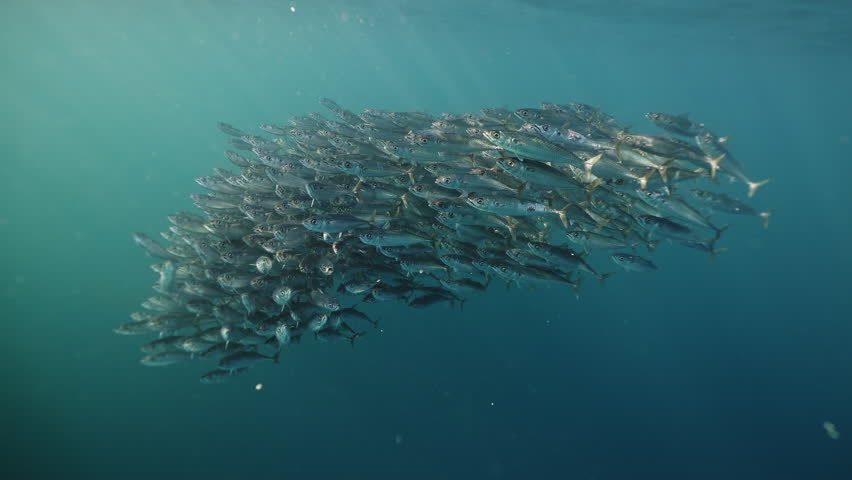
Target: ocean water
(696, 371)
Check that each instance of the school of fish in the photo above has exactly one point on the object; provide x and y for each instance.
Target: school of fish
(321, 217)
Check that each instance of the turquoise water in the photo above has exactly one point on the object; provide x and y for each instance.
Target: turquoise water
(698, 371)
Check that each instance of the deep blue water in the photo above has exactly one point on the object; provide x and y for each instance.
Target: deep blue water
(697, 371)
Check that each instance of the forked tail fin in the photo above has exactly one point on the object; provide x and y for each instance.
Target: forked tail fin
(765, 216)
(753, 186)
(714, 252)
(714, 165)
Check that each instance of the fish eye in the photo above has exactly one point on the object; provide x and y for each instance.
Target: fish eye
(347, 165)
(313, 221)
(479, 201)
(545, 128)
(510, 163)
(504, 269)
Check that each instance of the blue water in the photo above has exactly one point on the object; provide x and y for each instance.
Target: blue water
(696, 371)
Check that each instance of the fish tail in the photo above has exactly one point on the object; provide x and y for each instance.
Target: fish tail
(563, 216)
(591, 187)
(433, 242)
(404, 199)
(714, 164)
(512, 227)
(753, 186)
(765, 216)
(355, 337)
(716, 251)
(652, 245)
(664, 170)
(618, 150)
(588, 164)
(719, 232)
(643, 180)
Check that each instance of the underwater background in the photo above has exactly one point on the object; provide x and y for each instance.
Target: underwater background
(695, 371)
